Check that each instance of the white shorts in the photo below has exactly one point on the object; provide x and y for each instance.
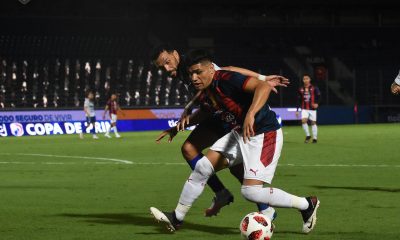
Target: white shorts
(259, 156)
(309, 114)
(113, 118)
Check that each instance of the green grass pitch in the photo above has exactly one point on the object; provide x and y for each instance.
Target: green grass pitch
(62, 187)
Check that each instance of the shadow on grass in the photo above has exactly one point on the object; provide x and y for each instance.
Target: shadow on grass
(374, 189)
(140, 220)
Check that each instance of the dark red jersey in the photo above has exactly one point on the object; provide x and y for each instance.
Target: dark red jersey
(308, 96)
(112, 106)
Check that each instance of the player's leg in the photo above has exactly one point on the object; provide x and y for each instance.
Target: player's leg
(109, 127)
(93, 130)
(314, 127)
(304, 124)
(260, 159)
(205, 167)
(203, 136)
(114, 125)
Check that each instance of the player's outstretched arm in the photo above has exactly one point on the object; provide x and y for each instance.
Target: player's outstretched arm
(193, 119)
(261, 92)
(273, 80)
(171, 132)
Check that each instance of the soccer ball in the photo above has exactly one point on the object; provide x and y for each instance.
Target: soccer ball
(256, 226)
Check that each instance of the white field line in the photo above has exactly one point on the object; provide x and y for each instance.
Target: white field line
(122, 161)
(75, 157)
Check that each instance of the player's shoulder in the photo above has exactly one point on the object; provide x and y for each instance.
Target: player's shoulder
(227, 75)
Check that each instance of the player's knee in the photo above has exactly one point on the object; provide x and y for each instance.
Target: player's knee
(204, 167)
(313, 123)
(251, 193)
(189, 151)
(304, 121)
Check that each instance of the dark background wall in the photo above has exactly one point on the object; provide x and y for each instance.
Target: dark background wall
(350, 48)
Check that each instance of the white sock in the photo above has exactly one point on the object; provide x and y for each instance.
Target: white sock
(305, 127)
(108, 129)
(274, 197)
(193, 187)
(314, 130)
(115, 130)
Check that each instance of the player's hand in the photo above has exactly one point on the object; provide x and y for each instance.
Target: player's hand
(277, 81)
(183, 121)
(395, 88)
(248, 130)
(297, 114)
(171, 132)
(315, 105)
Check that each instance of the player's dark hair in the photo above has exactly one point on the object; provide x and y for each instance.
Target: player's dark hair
(307, 75)
(157, 50)
(197, 56)
(88, 92)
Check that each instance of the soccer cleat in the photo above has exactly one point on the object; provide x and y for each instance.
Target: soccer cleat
(95, 136)
(270, 213)
(107, 135)
(310, 214)
(117, 135)
(169, 218)
(81, 135)
(221, 199)
(314, 140)
(307, 139)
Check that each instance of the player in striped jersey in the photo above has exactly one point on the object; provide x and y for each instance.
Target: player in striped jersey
(209, 130)
(309, 97)
(112, 107)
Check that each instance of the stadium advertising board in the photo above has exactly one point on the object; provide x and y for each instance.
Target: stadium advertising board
(38, 123)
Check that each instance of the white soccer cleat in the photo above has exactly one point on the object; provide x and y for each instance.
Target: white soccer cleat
(168, 218)
(81, 135)
(95, 137)
(310, 214)
(107, 135)
(117, 135)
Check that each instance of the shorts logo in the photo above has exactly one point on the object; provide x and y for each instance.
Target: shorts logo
(254, 171)
(17, 129)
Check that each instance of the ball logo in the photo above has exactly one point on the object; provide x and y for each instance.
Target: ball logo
(17, 129)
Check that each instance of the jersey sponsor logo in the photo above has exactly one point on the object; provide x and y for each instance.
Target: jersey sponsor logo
(17, 129)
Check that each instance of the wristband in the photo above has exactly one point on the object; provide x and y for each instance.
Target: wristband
(262, 77)
(397, 80)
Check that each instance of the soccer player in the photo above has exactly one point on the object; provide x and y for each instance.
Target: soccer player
(255, 139)
(88, 108)
(309, 97)
(208, 131)
(395, 87)
(112, 107)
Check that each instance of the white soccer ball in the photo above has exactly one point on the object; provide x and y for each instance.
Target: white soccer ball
(256, 226)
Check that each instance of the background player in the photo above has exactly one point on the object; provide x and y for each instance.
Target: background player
(112, 107)
(208, 131)
(395, 87)
(255, 139)
(88, 108)
(309, 97)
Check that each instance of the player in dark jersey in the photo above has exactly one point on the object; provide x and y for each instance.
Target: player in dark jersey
(112, 107)
(255, 140)
(209, 130)
(308, 97)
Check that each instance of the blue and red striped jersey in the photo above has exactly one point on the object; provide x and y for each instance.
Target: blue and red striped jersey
(229, 103)
(308, 96)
